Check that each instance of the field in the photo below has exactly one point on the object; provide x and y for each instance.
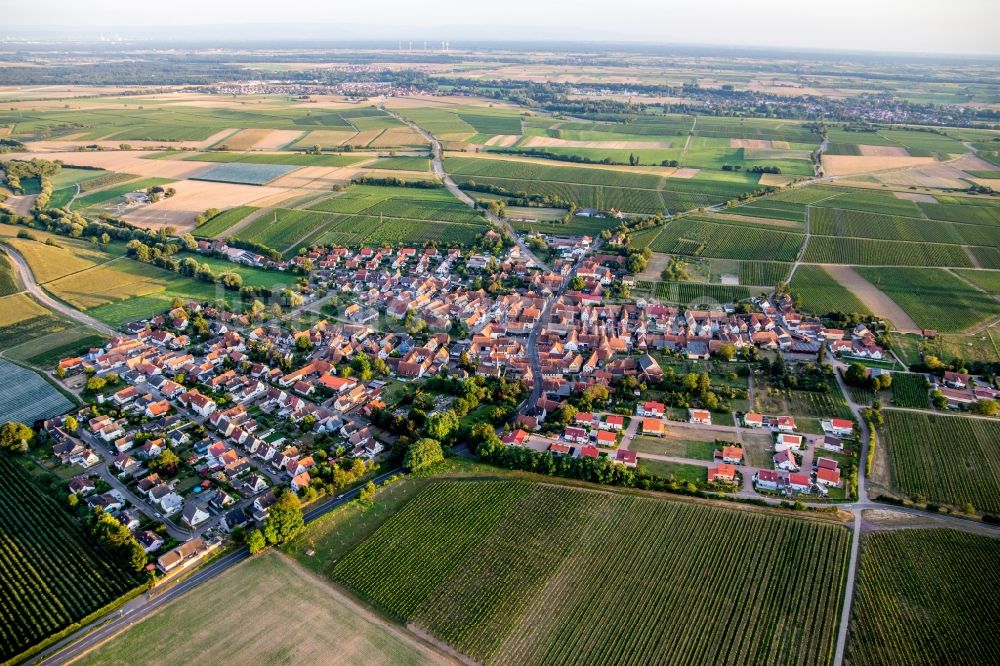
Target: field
(682, 448)
(909, 390)
(862, 224)
(221, 222)
(802, 403)
(22, 319)
(922, 596)
(821, 293)
(870, 252)
(986, 280)
(697, 293)
(402, 164)
(111, 194)
(944, 459)
(704, 238)
(245, 173)
(9, 283)
(367, 215)
(50, 576)
(515, 572)
(272, 589)
(285, 159)
(933, 298)
(577, 226)
(27, 397)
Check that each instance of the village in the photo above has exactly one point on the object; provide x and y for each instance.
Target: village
(193, 431)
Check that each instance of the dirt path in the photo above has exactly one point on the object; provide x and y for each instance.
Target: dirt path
(876, 300)
(21, 205)
(364, 612)
(972, 257)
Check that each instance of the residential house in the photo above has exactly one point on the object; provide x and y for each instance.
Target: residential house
(700, 416)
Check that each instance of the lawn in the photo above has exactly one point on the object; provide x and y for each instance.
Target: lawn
(695, 474)
(682, 448)
(517, 572)
(944, 459)
(271, 590)
(922, 597)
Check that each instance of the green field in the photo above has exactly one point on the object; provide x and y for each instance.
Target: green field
(703, 238)
(515, 572)
(922, 597)
(820, 293)
(987, 280)
(223, 221)
(909, 390)
(945, 459)
(871, 252)
(272, 589)
(682, 448)
(110, 194)
(697, 293)
(51, 578)
(402, 164)
(933, 298)
(862, 224)
(9, 282)
(369, 215)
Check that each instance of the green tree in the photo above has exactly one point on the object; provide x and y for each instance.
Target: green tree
(577, 283)
(442, 425)
(166, 462)
(368, 492)
(423, 454)
(16, 437)
(727, 352)
(285, 520)
(856, 375)
(70, 423)
(256, 542)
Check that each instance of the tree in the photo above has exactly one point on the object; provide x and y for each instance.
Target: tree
(166, 462)
(231, 281)
(423, 454)
(856, 375)
(256, 542)
(442, 425)
(285, 520)
(577, 283)
(940, 402)
(986, 407)
(368, 492)
(303, 343)
(16, 437)
(70, 423)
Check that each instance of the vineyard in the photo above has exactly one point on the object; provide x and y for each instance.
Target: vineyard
(860, 224)
(922, 597)
(49, 576)
(516, 573)
(820, 293)
(700, 238)
(933, 298)
(909, 390)
(766, 273)
(698, 293)
(221, 222)
(871, 252)
(945, 459)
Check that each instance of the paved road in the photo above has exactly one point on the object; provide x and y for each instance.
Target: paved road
(33, 288)
(438, 168)
(141, 607)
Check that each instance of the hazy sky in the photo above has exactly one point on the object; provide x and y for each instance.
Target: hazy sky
(915, 26)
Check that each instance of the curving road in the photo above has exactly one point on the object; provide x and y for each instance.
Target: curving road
(33, 288)
(78, 644)
(438, 168)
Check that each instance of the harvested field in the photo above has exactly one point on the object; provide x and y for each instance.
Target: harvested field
(684, 173)
(873, 298)
(838, 165)
(505, 140)
(882, 151)
(552, 142)
(127, 161)
(914, 196)
(112, 143)
(318, 178)
(774, 179)
(326, 138)
(398, 136)
(16, 308)
(755, 143)
(941, 176)
(194, 197)
(262, 139)
(329, 626)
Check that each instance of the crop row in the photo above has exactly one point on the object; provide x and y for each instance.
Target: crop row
(909, 390)
(921, 597)
(944, 459)
(861, 224)
(870, 252)
(726, 241)
(50, 577)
